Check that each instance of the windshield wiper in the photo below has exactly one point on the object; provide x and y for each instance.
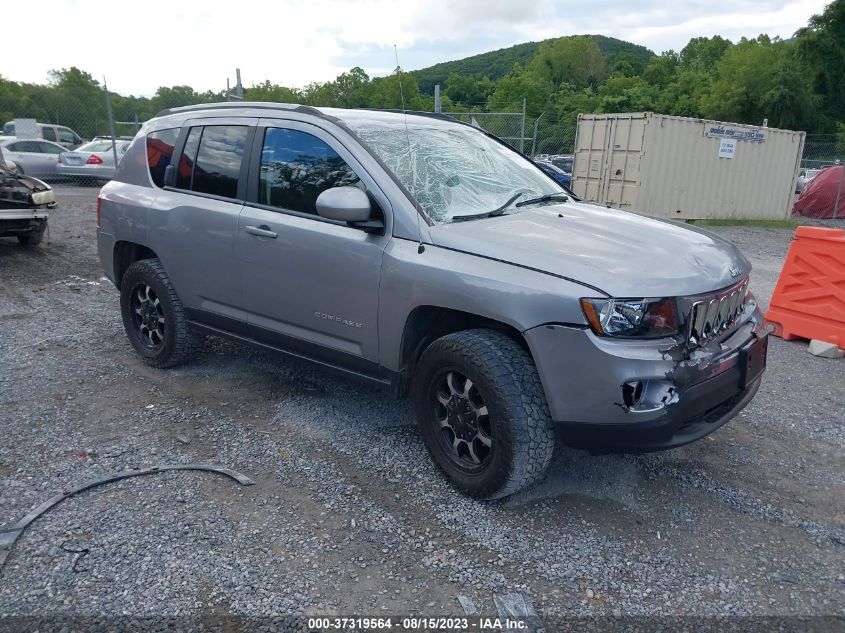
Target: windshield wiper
(488, 214)
(560, 195)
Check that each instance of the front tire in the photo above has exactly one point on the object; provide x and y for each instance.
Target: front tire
(154, 317)
(33, 238)
(482, 413)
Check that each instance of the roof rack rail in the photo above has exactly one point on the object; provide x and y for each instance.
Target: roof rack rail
(255, 105)
(433, 115)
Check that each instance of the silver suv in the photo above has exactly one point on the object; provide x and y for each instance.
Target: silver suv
(426, 256)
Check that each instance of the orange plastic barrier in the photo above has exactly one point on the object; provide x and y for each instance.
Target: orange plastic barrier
(809, 298)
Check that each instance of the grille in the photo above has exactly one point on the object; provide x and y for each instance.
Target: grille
(713, 315)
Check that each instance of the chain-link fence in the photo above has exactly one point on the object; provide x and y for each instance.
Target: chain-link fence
(552, 137)
(822, 150)
(508, 126)
(542, 136)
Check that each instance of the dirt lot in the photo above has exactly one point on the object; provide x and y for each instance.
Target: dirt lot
(347, 514)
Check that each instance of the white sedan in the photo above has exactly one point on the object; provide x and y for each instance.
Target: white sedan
(33, 157)
(94, 160)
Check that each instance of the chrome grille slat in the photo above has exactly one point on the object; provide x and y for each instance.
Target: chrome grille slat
(715, 314)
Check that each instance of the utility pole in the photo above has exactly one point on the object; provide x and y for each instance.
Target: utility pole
(111, 121)
(239, 89)
(534, 140)
(522, 130)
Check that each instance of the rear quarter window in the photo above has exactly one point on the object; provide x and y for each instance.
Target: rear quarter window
(160, 146)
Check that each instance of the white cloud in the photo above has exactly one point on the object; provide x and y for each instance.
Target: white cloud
(139, 47)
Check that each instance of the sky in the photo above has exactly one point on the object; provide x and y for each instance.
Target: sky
(139, 46)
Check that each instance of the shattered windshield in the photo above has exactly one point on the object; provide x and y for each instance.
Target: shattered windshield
(452, 170)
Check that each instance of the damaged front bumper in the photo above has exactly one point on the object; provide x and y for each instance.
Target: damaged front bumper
(24, 204)
(611, 395)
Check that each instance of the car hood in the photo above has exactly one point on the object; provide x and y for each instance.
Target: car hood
(620, 253)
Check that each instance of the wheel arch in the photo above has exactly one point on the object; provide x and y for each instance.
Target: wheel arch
(427, 323)
(126, 254)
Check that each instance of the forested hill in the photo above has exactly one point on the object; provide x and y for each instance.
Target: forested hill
(497, 64)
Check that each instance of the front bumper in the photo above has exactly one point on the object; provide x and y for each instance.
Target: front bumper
(685, 396)
(34, 213)
(22, 221)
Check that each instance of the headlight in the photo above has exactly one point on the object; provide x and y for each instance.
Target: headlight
(632, 318)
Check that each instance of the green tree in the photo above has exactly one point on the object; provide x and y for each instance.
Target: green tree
(661, 70)
(567, 103)
(625, 64)
(268, 91)
(386, 92)
(353, 89)
(76, 100)
(702, 53)
(683, 95)
(627, 94)
(821, 46)
(759, 79)
(518, 85)
(575, 60)
(177, 96)
(468, 91)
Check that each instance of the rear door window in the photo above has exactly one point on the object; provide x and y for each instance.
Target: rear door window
(66, 136)
(48, 133)
(33, 147)
(160, 145)
(211, 160)
(296, 167)
(50, 148)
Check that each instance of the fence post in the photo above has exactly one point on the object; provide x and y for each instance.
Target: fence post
(534, 139)
(437, 103)
(522, 130)
(111, 121)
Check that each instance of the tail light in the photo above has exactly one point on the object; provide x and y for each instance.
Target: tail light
(99, 206)
(93, 159)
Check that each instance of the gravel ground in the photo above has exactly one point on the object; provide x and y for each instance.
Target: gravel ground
(347, 514)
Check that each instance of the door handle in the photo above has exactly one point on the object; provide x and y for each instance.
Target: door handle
(261, 231)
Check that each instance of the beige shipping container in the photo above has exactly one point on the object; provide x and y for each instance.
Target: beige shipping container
(685, 168)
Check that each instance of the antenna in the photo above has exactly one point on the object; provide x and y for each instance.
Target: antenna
(421, 247)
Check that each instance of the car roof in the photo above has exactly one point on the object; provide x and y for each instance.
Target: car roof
(6, 140)
(353, 116)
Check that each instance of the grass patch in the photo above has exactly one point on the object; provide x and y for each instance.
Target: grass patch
(788, 223)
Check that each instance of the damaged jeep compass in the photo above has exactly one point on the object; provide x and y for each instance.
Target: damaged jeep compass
(426, 256)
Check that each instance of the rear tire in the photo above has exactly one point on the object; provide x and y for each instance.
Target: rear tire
(154, 317)
(482, 413)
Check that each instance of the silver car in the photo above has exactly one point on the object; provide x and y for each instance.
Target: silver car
(94, 160)
(427, 257)
(33, 157)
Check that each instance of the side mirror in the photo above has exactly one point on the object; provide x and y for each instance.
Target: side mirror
(345, 204)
